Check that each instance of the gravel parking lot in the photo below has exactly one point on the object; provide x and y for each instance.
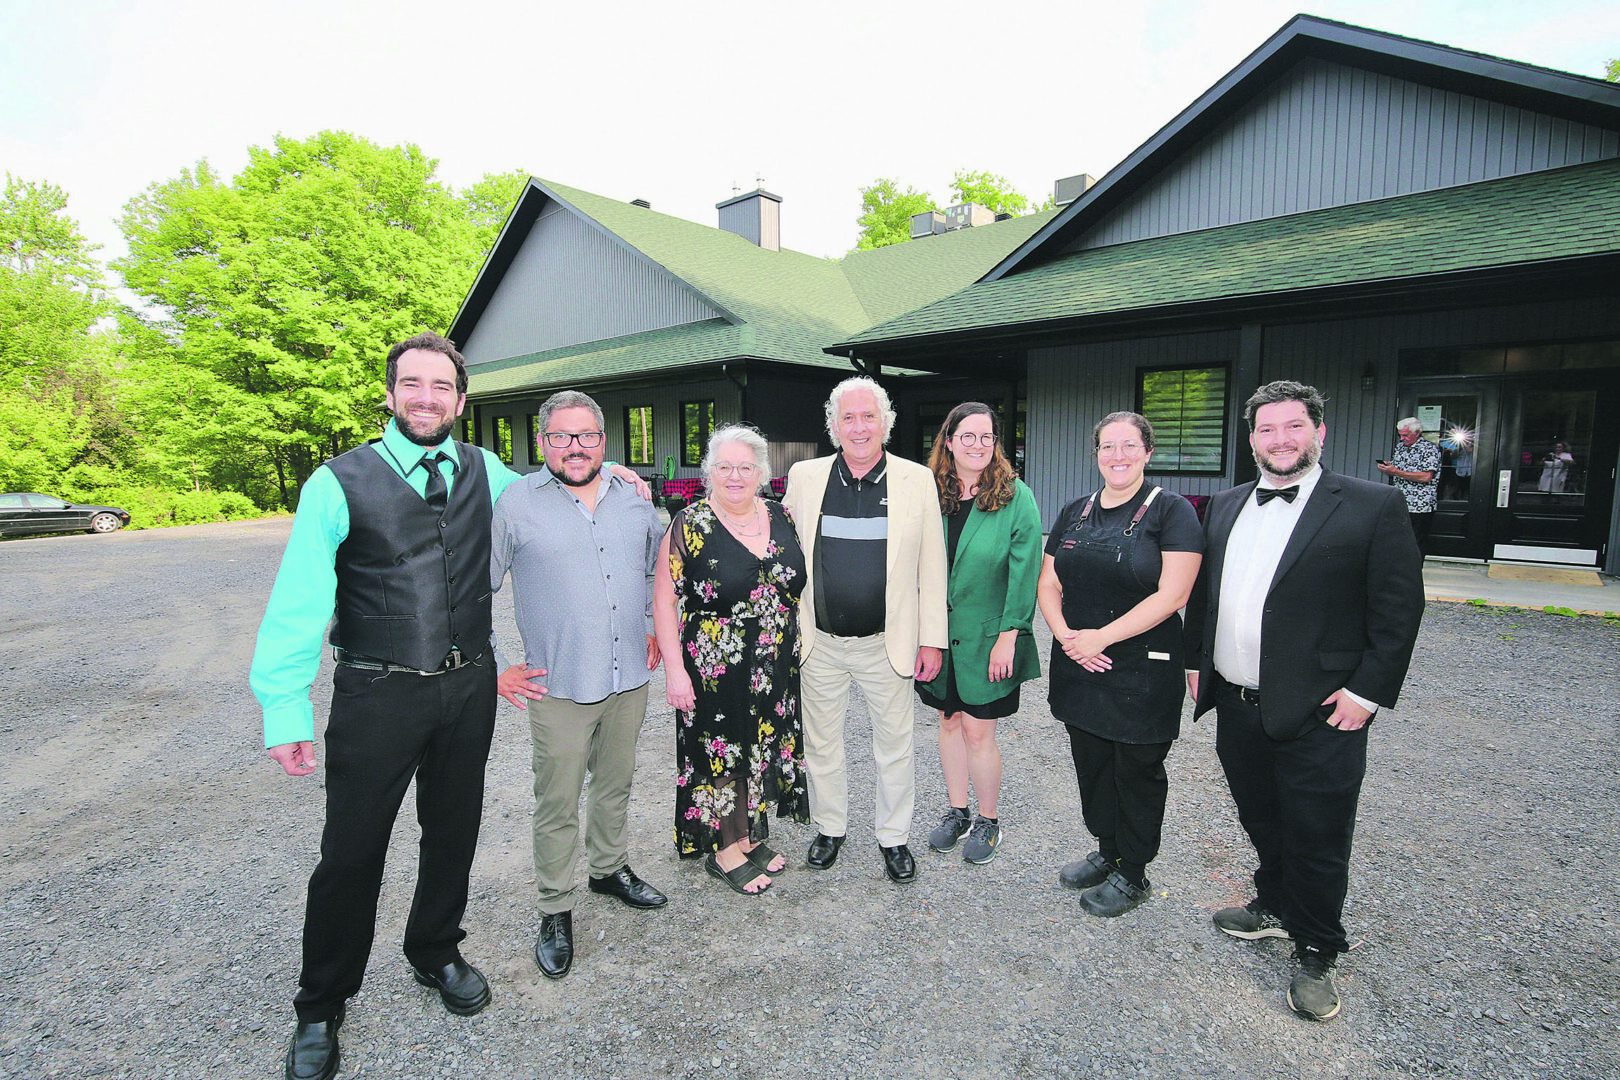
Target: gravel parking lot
(153, 864)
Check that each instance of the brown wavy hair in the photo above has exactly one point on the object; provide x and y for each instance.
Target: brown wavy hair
(996, 487)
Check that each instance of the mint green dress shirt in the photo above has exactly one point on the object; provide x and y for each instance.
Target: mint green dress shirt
(304, 597)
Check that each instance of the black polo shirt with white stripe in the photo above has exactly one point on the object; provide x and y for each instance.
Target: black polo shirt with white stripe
(852, 551)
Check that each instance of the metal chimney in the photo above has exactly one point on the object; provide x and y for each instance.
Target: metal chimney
(756, 217)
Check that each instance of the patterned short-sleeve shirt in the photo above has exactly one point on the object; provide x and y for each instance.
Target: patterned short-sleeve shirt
(1421, 456)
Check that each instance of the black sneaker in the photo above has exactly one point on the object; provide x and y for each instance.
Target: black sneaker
(952, 827)
(982, 841)
(1313, 993)
(1251, 922)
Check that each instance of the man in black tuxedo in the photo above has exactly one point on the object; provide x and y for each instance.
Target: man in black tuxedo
(1300, 627)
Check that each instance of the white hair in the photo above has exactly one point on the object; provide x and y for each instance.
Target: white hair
(1411, 423)
(747, 435)
(879, 395)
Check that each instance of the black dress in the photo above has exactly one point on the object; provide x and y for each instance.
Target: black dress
(950, 701)
(740, 751)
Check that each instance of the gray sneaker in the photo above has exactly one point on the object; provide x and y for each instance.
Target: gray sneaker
(982, 840)
(951, 828)
(1312, 994)
(1250, 922)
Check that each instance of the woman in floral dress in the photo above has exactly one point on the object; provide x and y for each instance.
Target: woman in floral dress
(726, 601)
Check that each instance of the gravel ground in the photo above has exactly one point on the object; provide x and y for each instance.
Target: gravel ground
(154, 864)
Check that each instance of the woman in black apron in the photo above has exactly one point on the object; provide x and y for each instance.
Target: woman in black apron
(1119, 565)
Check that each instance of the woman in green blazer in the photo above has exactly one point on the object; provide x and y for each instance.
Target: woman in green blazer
(993, 539)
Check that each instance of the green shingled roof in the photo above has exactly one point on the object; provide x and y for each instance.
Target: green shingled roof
(787, 305)
(1556, 214)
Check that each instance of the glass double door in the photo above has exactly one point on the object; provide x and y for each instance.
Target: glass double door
(1527, 464)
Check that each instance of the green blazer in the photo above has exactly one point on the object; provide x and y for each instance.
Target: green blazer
(991, 589)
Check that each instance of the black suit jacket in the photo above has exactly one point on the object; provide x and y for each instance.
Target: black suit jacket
(1343, 609)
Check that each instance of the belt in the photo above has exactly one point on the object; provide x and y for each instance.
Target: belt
(455, 659)
(1247, 695)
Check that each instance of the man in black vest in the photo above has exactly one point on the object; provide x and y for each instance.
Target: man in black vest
(394, 538)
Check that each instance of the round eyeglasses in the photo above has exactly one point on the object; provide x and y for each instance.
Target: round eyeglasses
(560, 440)
(745, 471)
(968, 438)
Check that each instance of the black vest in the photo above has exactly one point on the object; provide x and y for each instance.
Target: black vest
(410, 585)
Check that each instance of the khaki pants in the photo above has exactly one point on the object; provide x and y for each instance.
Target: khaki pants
(568, 739)
(825, 676)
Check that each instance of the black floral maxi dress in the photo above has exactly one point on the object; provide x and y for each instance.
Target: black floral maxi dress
(740, 642)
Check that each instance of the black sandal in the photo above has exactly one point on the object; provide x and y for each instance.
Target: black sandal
(738, 876)
(761, 855)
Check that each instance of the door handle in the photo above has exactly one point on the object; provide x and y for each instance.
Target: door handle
(1504, 487)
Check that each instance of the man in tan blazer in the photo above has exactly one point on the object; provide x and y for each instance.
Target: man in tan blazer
(872, 611)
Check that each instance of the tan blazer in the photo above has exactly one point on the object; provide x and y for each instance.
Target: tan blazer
(914, 599)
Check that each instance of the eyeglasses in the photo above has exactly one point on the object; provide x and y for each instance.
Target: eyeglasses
(968, 438)
(560, 440)
(1129, 449)
(744, 471)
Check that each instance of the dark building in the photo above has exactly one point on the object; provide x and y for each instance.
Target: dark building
(1416, 229)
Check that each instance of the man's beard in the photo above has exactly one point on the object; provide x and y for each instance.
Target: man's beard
(587, 480)
(1308, 457)
(431, 438)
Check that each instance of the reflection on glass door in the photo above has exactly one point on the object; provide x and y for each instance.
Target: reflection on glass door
(1549, 450)
(1555, 439)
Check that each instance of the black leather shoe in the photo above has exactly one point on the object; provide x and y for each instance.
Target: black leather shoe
(313, 1052)
(461, 987)
(898, 864)
(823, 851)
(554, 949)
(624, 884)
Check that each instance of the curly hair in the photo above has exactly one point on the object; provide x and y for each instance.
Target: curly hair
(996, 487)
(1275, 393)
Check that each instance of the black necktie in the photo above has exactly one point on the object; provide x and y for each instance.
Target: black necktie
(1263, 495)
(436, 495)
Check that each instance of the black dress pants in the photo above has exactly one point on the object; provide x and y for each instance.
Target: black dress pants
(387, 728)
(1296, 798)
(1123, 788)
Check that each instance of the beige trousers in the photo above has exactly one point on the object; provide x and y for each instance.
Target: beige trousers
(568, 739)
(825, 678)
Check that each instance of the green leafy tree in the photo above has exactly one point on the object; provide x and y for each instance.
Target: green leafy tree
(1614, 71)
(886, 213)
(60, 412)
(988, 190)
(274, 297)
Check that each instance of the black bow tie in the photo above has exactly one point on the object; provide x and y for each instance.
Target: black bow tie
(1263, 495)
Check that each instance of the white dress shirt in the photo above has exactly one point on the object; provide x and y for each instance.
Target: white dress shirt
(1253, 550)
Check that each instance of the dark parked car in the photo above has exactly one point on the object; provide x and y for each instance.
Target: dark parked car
(29, 512)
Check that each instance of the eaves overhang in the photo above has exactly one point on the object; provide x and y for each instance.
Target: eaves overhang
(1544, 279)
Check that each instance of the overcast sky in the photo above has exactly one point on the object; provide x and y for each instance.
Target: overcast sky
(675, 103)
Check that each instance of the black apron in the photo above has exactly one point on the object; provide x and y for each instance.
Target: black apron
(1139, 700)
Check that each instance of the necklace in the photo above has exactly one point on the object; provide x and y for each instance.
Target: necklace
(751, 528)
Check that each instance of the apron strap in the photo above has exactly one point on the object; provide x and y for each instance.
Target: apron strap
(1137, 517)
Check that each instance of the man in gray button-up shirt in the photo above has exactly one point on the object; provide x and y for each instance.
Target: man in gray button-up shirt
(581, 547)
